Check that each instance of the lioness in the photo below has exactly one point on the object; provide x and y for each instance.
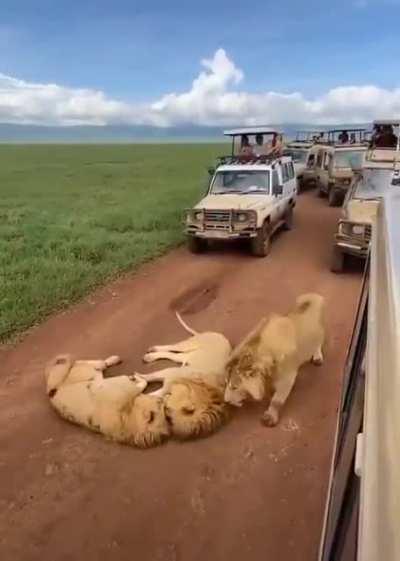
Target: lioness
(273, 353)
(114, 407)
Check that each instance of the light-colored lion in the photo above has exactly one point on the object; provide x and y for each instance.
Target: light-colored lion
(272, 354)
(193, 392)
(114, 407)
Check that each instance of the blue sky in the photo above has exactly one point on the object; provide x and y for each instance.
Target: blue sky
(139, 52)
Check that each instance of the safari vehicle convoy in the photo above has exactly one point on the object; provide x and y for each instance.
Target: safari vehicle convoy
(251, 194)
(326, 476)
(372, 180)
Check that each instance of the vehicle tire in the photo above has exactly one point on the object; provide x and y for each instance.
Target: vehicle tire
(334, 197)
(288, 224)
(196, 245)
(337, 260)
(300, 185)
(261, 244)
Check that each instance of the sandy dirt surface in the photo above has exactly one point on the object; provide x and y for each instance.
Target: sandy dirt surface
(248, 492)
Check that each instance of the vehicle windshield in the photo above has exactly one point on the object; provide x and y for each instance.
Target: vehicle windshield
(240, 182)
(298, 156)
(373, 184)
(349, 159)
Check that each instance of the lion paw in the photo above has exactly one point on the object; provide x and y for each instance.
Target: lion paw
(149, 357)
(317, 361)
(270, 418)
(141, 382)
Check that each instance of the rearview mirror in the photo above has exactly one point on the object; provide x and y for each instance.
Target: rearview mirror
(211, 171)
(277, 190)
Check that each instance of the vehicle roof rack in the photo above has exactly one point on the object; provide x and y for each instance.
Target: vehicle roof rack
(350, 129)
(252, 130)
(247, 160)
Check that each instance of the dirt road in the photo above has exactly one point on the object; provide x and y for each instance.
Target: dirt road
(247, 492)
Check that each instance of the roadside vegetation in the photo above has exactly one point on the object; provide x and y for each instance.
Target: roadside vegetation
(74, 216)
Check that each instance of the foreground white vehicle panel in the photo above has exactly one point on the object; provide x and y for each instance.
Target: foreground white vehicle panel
(379, 536)
(363, 506)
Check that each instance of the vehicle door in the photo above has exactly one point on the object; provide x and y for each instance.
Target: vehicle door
(309, 173)
(277, 181)
(319, 165)
(326, 171)
(289, 182)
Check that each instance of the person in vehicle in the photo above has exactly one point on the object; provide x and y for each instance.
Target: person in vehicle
(246, 149)
(276, 146)
(259, 148)
(375, 133)
(343, 137)
(385, 138)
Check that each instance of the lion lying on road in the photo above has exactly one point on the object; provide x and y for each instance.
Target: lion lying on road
(273, 353)
(114, 406)
(193, 392)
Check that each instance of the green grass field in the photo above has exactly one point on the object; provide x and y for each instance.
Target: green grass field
(74, 216)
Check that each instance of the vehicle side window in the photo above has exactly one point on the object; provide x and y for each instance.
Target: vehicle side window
(311, 161)
(285, 173)
(320, 156)
(275, 179)
(327, 160)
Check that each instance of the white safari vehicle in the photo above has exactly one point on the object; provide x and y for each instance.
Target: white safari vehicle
(299, 150)
(363, 504)
(251, 194)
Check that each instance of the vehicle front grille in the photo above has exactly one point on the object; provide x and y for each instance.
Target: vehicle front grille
(368, 232)
(219, 216)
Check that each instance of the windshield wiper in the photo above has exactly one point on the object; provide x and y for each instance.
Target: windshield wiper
(230, 191)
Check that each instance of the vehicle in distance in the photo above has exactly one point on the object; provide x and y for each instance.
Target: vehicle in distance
(249, 196)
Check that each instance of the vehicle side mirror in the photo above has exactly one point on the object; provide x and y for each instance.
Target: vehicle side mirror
(211, 171)
(277, 190)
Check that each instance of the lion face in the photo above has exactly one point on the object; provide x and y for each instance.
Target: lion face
(194, 408)
(146, 424)
(246, 378)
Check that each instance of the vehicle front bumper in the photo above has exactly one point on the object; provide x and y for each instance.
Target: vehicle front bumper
(219, 233)
(352, 246)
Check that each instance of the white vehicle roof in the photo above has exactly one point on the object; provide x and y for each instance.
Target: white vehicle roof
(251, 130)
(299, 144)
(244, 167)
(234, 164)
(393, 122)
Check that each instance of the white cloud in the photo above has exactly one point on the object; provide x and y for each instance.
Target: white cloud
(213, 99)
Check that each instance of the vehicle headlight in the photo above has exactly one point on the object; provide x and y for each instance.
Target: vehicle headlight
(245, 216)
(197, 215)
(351, 229)
(345, 228)
(358, 229)
(242, 217)
(343, 180)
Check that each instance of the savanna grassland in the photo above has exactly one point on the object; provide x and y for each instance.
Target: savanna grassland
(74, 216)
